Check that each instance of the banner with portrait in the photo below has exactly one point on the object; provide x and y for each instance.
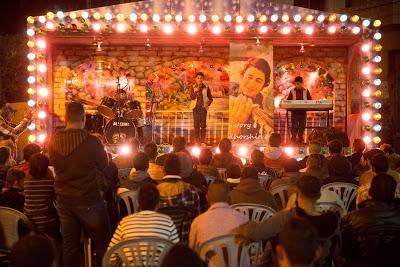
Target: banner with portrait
(251, 101)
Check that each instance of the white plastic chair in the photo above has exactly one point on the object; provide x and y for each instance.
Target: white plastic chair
(144, 252)
(225, 251)
(346, 191)
(329, 206)
(9, 221)
(129, 198)
(222, 173)
(282, 193)
(209, 179)
(255, 212)
(265, 181)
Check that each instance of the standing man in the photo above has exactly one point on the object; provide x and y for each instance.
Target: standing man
(79, 159)
(201, 97)
(298, 116)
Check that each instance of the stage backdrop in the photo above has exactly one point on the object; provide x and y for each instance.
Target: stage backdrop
(251, 101)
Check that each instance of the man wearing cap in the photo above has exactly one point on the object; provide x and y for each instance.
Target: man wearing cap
(7, 130)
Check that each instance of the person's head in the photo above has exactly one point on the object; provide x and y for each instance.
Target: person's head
(255, 76)
(225, 145)
(5, 154)
(387, 149)
(32, 251)
(181, 255)
(9, 144)
(339, 165)
(309, 188)
(275, 140)
(120, 95)
(314, 171)
(15, 178)
(314, 147)
(298, 81)
(172, 164)
(186, 163)
(205, 156)
(75, 115)
(179, 143)
(38, 166)
(218, 191)
(380, 163)
(151, 150)
(149, 197)
(370, 154)
(383, 188)
(233, 171)
(394, 161)
(31, 149)
(249, 172)
(199, 78)
(297, 243)
(291, 165)
(358, 145)
(314, 160)
(335, 147)
(257, 157)
(141, 161)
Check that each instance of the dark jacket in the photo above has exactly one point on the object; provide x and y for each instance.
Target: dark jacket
(136, 179)
(303, 162)
(250, 191)
(13, 198)
(224, 159)
(78, 159)
(199, 95)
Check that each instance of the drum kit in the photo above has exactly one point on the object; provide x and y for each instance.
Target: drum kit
(117, 122)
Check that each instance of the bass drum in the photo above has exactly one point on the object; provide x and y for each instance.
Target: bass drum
(119, 130)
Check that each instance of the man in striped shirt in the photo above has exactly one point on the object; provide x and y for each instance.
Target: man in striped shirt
(147, 222)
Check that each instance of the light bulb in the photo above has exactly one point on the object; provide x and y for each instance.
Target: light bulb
(31, 56)
(239, 28)
(366, 23)
(332, 29)
(108, 16)
(365, 47)
(216, 29)
(156, 18)
(321, 18)
(378, 105)
(43, 92)
(30, 32)
(133, 17)
(227, 18)
(168, 29)
(263, 29)
(250, 18)
(366, 116)
(309, 30)
(31, 103)
(31, 79)
(192, 28)
(356, 30)
(297, 18)
(202, 18)
(178, 18)
(377, 82)
(85, 15)
(377, 36)
(367, 139)
(343, 18)
(42, 68)
(274, 18)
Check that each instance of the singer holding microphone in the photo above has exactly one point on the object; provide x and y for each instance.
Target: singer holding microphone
(201, 97)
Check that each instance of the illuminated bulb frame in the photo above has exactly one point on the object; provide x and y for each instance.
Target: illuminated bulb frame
(262, 23)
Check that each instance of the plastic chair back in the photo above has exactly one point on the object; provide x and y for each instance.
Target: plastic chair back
(346, 191)
(129, 198)
(10, 221)
(282, 193)
(209, 179)
(225, 251)
(138, 252)
(222, 173)
(265, 181)
(329, 206)
(255, 212)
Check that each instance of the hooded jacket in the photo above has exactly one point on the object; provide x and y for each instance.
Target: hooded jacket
(250, 191)
(78, 159)
(274, 157)
(136, 179)
(224, 159)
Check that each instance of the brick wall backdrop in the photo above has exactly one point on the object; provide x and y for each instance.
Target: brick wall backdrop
(138, 62)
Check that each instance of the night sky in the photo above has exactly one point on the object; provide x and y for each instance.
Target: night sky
(14, 12)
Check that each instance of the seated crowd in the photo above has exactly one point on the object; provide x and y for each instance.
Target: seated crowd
(318, 211)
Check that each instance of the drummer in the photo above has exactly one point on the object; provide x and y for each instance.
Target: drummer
(121, 108)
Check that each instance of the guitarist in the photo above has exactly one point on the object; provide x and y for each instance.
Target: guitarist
(201, 97)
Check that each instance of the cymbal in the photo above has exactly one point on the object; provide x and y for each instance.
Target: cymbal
(89, 102)
(134, 114)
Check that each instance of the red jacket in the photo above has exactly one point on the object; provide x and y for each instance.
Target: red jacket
(299, 94)
(198, 95)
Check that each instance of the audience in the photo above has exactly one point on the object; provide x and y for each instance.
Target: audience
(155, 171)
(40, 197)
(11, 161)
(79, 159)
(233, 172)
(205, 167)
(33, 251)
(182, 256)
(147, 222)
(375, 223)
(387, 149)
(297, 244)
(315, 151)
(139, 174)
(339, 170)
(335, 147)
(178, 145)
(173, 191)
(12, 195)
(28, 150)
(379, 163)
(274, 154)
(314, 171)
(291, 174)
(5, 154)
(356, 157)
(249, 190)
(257, 161)
(314, 161)
(225, 157)
(220, 219)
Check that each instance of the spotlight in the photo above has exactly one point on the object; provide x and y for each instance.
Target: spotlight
(366, 23)
(366, 70)
(366, 116)
(356, 30)
(343, 18)
(239, 19)
(321, 18)
(96, 27)
(217, 150)
(156, 18)
(168, 29)
(178, 18)
(121, 27)
(31, 79)
(377, 82)
(289, 151)
(286, 30)
(85, 15)
(124, 150)
(196, 151)
(32, 126)
(31, 103)
(263, 29)
(108, 16)
(227, 18)
(42, 114)
(365, 47)
(202, 18)
(191, 28)
(133, 17)
(297, 18)
(60, 14)
(376, 140)
(377, 59)
(250, 18)
(41, 44)
(30, 32)
(377, 127)
(366, 93)
(332, 29)
(216, 29)
(192, 18)
(239, 28)
(143, 28)
(43, 92)
(32, 138)
(378, 105)
(367, 139)
(377, 36)
(309, 30)
(274, 18)
(42, 137)
(243, 151)
(50, 25)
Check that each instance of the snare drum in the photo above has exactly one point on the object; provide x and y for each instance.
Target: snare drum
(119, 130)
(106, 107)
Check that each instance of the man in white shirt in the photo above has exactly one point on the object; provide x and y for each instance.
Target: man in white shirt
(220, 219)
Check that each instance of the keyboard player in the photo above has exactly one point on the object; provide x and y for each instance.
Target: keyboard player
(298, 116)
